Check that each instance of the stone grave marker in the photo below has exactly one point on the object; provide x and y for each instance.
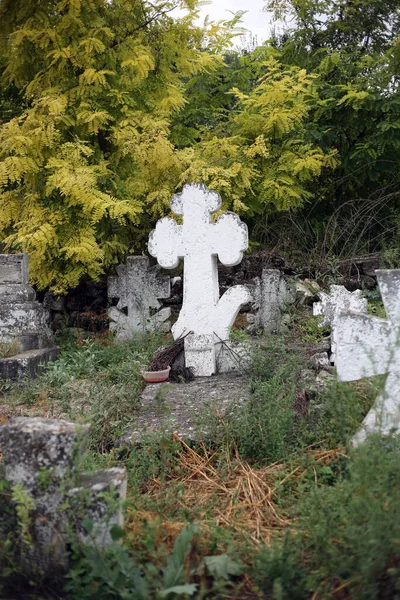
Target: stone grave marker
(139, 288)
(23, 321)
(39, 457)
(272, 295)
(199, 242)
(333, 304)
(368, 346)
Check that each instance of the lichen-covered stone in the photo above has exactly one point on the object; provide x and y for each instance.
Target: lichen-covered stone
(39, 456)
(14, 269)
(99, 497)
(139, 289)
(24, 322)
(39, 461)
(273, 294)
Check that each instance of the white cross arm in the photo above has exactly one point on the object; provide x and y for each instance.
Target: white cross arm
(230, 239)
(364, 346)
(165, 243)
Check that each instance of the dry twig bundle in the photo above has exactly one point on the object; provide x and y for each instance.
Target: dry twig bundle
(163, 357)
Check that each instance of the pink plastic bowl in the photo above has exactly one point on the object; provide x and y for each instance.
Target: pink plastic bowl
(156, 376)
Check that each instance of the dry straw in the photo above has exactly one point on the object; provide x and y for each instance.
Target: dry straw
(237, 496)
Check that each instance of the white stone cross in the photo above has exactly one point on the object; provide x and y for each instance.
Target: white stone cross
(368, 346)
(331, 305)
(139, 288)
(199, 242)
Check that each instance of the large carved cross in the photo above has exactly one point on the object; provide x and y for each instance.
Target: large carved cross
(199, 242)
(368, 346)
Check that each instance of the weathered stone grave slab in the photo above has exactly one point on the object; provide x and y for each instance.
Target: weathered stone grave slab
(333, 304)
(200, 242)
(368, 346)
(30, 361)
(23, 321)
(39, 457)
(272, 295)
(139, 288)
(177, 408)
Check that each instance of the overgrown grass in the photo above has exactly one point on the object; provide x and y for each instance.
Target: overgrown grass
(346, 539)
(279, 494)
(94, 380)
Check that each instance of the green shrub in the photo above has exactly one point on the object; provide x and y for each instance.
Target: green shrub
(114, 574)
(347, 535)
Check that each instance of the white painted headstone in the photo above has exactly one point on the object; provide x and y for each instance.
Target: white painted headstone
(139, 288)
(368, 346)
(331, 305)
(200, 242)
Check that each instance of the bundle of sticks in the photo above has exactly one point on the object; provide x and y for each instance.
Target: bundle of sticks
(164, 357)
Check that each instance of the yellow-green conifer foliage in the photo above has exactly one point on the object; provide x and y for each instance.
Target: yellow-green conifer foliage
(89, 158)
(264, 156)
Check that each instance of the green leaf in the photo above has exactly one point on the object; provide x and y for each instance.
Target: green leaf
(188, 589)
(87, 525)
(221, 567)
(117, 533)
(174, 571)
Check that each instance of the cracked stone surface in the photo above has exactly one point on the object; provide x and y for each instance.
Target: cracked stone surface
(40, 457)
(178, 407)
(24, 322)
(139, 288)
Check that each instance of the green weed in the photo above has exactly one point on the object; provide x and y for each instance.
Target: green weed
(347, 534)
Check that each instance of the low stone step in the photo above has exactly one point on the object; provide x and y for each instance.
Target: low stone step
(29, 363)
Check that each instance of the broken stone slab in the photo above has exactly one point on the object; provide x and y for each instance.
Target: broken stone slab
(306, 291)
(14, 269)
(30, 363)
(320, 360)
(313, 384)
(324, 345)
(368, 346)
(331, 305)
(178, 408)
(233, 356)
(40, 458)
(139, 289)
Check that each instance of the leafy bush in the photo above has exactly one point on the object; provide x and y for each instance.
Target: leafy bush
(347, 535)
(113, 574)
